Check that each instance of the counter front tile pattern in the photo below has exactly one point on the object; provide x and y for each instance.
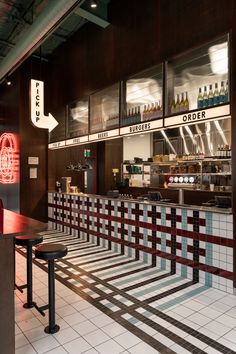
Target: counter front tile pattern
(194, 244)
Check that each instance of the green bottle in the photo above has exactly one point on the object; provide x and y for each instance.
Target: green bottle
(200, 99)
(216, 99)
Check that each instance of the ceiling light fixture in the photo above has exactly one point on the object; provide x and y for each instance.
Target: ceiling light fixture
(93, 4)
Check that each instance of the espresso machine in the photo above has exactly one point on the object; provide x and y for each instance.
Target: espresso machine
(65, 184)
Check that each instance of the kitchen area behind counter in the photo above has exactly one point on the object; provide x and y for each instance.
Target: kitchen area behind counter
(195, 242)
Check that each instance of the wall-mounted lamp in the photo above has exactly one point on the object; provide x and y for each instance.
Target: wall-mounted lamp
(8, 81)
(93, 4)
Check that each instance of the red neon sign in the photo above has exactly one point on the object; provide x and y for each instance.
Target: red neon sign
(9, 158)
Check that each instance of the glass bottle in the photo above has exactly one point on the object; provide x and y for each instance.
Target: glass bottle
(186, 102)
(216, 95)
(152, 113)
(148, 112)
(210, 96)
(172, 107)
(177, 104)
(222, 93)
(181, 105)
(160, 108)
(144, 112)
(226, 92)
(135, 117)
(200, 99)
(139, 115)
(205, 98)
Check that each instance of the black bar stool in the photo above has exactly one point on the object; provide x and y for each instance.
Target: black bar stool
(28, 241)
(49, 252)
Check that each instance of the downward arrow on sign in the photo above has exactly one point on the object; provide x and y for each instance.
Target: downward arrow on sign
(38, 118)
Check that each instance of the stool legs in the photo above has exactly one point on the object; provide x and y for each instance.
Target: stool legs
(52, 327)
(29, 303)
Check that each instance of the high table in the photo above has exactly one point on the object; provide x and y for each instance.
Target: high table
(13, 224)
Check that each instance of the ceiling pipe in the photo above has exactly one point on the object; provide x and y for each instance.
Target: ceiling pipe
(50, 18)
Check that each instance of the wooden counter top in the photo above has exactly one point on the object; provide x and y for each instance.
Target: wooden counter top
(15, 224)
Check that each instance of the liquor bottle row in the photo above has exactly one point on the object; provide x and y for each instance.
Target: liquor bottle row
(223, 152)
(180, 105)
(209, 98)
(152, 111)
(133, 116)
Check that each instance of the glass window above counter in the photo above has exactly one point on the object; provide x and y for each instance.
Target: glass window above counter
(143, 97)
(77, 119)
(198, 79)
(104, 109)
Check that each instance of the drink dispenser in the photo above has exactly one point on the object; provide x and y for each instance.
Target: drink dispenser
(65, 184)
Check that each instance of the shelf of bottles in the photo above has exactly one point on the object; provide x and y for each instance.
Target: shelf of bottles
(77, 119)
(143, 97)
(104, 109)
(198, 79)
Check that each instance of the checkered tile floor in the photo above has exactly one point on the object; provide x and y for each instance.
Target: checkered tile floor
(109, 303)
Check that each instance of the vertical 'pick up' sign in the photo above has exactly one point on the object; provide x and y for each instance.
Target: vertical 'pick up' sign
(38, 118)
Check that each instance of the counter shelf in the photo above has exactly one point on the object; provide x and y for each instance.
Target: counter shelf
(155, 203)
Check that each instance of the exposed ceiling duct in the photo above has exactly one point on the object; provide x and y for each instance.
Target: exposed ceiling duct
(50, 18)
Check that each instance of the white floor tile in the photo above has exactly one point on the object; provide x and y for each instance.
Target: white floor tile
(85, 327)
(210, 350)
(210, 312)
(91, 351)
(35, 334)
(227, 320)
(58, 350)
(26, 349)
(114, 329)
(142, 348)
(65, 310)
(74, 318)
(127, 340)
(163, 340)
(219, 306)
(227, 343)
(199, 319)
(217, 327)
(101, 320)
(45, 344)
(81, 305)
(77, 346)
(95, 338)
(29, 324)
(66, 335)
(231, 336)
(91, 312)
(179, 350)
(109, 347)
(20, 340)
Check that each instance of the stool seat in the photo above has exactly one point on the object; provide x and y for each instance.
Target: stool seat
(28, 240)
(50, 251)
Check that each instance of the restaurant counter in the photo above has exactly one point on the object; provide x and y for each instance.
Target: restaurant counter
(193, 241)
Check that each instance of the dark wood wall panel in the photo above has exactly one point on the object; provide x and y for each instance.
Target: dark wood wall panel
(33, 142)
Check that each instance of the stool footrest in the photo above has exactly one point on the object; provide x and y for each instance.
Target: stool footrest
(41, 309)
(20, 287)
